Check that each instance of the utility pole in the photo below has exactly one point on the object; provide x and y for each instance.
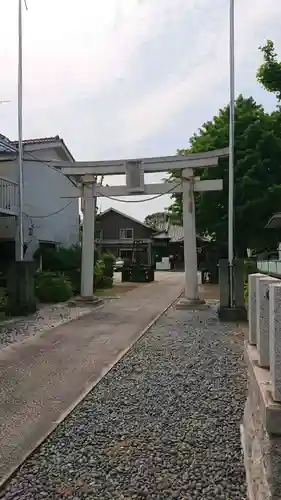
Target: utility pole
(231, 153)
(20, 239)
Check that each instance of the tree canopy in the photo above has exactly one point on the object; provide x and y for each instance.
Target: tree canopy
(257, 170)
(269, 73)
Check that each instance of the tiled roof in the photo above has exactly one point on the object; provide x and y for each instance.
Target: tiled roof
(44, 140)
(173, 232)
(4, 149)
(40, 140)
(30, 142)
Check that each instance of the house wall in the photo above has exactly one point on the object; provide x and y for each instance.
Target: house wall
(112, 222)
(44, 189)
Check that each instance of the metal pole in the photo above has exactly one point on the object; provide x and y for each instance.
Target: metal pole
(20, 147)
(231, 152)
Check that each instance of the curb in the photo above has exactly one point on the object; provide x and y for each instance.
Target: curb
(250, 493)
(87, 389)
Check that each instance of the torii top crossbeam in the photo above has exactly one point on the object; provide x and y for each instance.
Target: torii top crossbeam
(157, 164)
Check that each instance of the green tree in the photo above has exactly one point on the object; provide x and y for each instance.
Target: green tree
(257, 176)
(269, 73)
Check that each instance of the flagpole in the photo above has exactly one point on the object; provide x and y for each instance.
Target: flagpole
(20, 144)
(231, 151)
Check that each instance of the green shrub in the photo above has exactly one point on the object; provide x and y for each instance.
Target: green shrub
(106, 282)
(66, 263)
(98, 274)
(109, 261)
(53, 287)
(250, 267)
(74, 276)
(61, 259)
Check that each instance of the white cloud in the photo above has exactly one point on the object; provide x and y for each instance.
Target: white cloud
(198, 83)
(131, 77)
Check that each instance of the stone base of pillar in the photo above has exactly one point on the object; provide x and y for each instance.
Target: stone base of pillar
(232, 314)
(21, 288)
(238, 311)
(185, 303)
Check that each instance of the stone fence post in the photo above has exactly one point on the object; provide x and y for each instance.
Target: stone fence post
(252, 306)
(261, 427)
(263, 318)
(275, 339)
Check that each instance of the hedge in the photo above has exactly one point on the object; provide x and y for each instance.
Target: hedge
(53, 287)
(67, 262)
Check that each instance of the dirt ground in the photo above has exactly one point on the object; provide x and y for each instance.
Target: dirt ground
(118, 289)
(208, 291)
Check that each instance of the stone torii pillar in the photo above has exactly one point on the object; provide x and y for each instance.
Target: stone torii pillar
(190, 184)
(190, 250)
(88, 240)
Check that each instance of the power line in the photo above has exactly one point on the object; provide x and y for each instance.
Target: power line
(49, 215)
(139, 201)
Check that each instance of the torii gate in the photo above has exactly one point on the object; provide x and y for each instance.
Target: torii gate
(87, 172)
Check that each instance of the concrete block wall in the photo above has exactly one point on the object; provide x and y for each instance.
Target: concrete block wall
(261, 428)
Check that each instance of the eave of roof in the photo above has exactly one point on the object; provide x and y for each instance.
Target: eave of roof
(274, 221)
(47, 140)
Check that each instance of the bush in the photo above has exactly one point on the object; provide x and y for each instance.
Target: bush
(109, 261)
(250, 267)
(66, 263)
(74, 276)
(106, 282)
(53, 287)
(61, 259)
(98, 274)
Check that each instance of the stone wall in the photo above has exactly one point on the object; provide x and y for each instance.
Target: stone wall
(261, 428)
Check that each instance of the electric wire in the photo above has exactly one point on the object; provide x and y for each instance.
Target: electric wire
(49, 215)
(139, 201)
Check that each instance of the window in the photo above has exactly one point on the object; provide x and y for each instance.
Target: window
(126, 234)
(99, 234)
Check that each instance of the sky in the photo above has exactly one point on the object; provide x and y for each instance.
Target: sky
(129, 78)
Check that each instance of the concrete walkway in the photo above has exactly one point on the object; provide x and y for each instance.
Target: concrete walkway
(43, 376)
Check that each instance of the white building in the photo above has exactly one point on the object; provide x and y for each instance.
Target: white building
(49, 215)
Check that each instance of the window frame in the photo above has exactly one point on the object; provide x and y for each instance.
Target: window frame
(101, 234)
(123, 231)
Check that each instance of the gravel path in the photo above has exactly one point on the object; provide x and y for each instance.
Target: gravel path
(47, 317)
(163, 424)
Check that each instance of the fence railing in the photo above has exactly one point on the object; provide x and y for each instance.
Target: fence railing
(264, 313)
(270, 267)
(8, 196)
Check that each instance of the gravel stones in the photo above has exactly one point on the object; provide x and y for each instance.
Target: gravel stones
(163, 424)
